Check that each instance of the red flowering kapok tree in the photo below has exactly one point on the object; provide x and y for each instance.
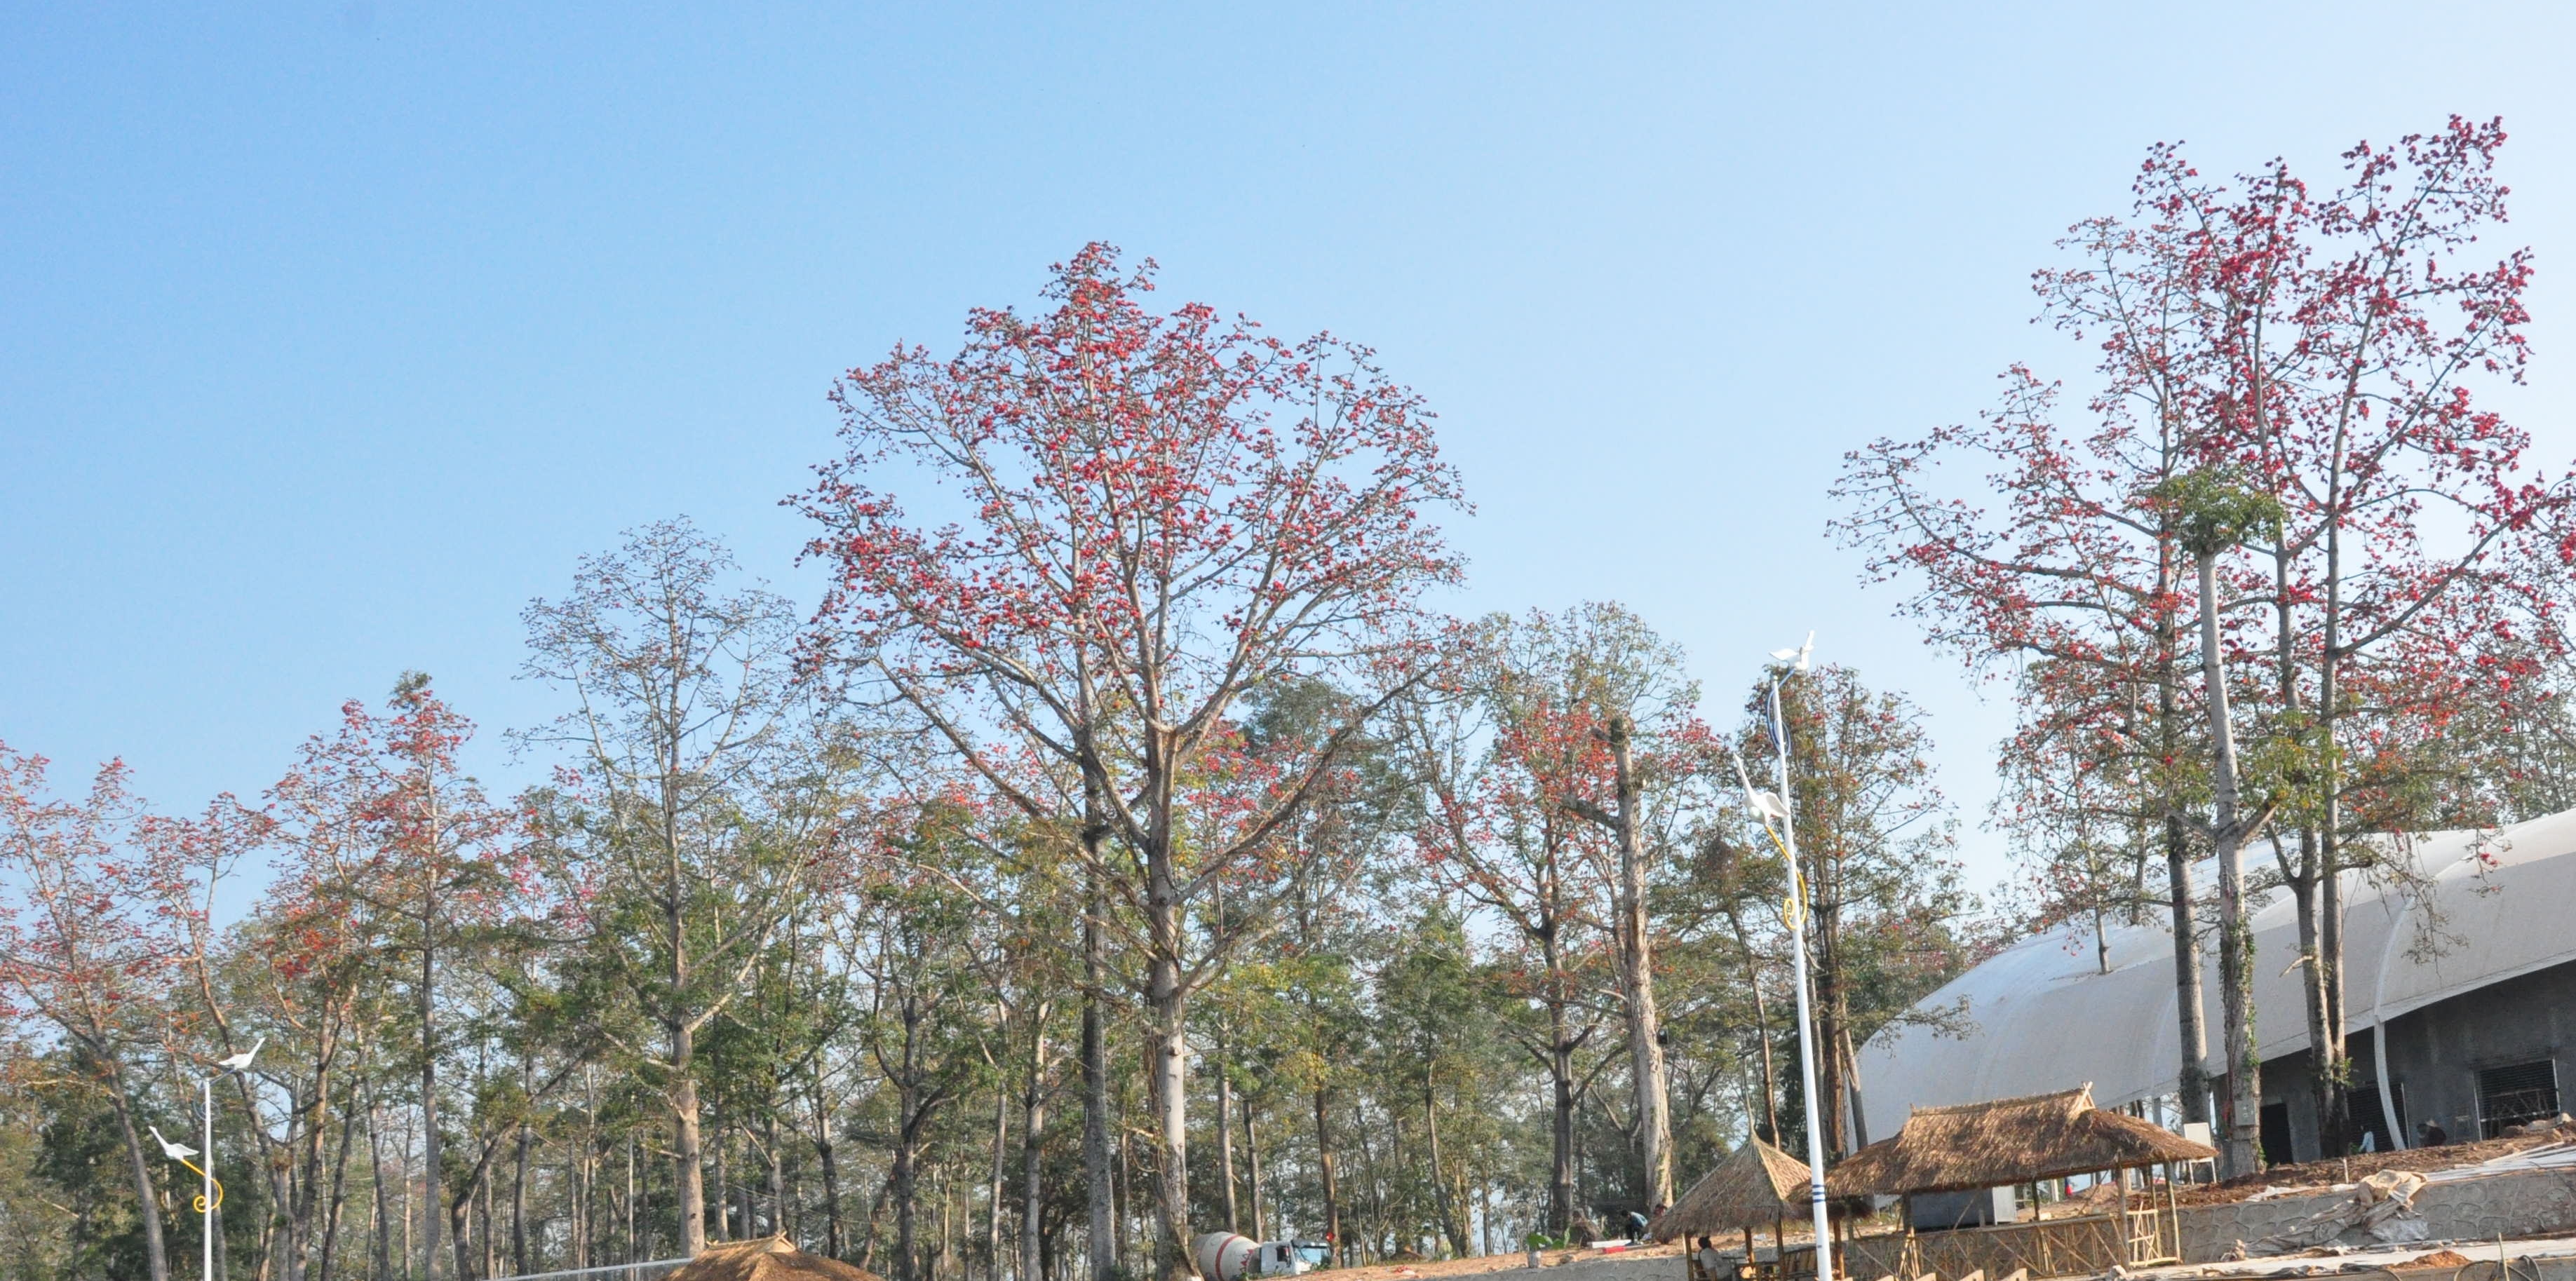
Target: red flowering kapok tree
(2324, 348)
(385, 836)
(89, 944)
(1135, 520)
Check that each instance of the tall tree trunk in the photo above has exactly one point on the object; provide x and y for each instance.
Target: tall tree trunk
(2304, 876)
(519, 1205)
(433, 1189)
(1637, 978)
(2242, 1151)
(776, 1157)
(491, 1241)
(1824, 968)
(1225, 1132)
(1033, 1119)
(689, 1176)
(994, 1189)
(1332, 1191)
(384, 1234)
(905, 1179)
(1857, 1115)
(1561, 1044)
(1560, 1071)
(2325, 1079)
(724, 1229)
(1252, 1167)
(1452, 1224)
(2330, 966)
(688, 1166)
(339, 1186)
(2190, 1008)
(2330, 710)
(1099, 1191)
(585, 1199)
(1123, 1186)
(1762, 1032)
(832, 1239)
(147, 1200)
(1168, 1079)
(460, 1226)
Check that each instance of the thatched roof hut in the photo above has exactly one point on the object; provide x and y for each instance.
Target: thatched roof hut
(1758, 1184)
(774, 1259)
(2007, 1142)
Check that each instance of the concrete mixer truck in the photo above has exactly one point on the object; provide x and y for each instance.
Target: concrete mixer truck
(1223, 1256)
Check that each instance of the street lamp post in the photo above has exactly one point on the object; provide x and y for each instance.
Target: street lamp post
(1775, 805)
(210, 1196)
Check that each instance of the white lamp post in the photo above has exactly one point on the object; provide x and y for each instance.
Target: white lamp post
(1770, 806)
(211, 1196)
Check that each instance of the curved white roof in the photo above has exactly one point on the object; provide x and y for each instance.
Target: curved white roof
(2045, 1017)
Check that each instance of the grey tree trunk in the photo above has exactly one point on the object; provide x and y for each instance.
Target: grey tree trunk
(1225, 1133)
(519, 1205)
(2190, 1008)
(688, 1167)
(1169, 1082)
(1332, 1190)
(384, 1226)
(1100, 1191)
(2241, 1153)
(2193, 1082)
(830, 1161)
(1033, 1119)
(1637, 980)
(433, 1191)
(994, 1189)
(1252, 1167)
(146, 1203)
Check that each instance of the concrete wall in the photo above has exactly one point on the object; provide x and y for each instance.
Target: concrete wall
(2435, 1053)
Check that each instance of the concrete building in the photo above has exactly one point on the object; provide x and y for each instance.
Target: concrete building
(2471, 983)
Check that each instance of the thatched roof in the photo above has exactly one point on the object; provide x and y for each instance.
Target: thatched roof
(775, 1259)
(1759, 1184)
(2005, 1142)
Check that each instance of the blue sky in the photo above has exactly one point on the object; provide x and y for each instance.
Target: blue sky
(332, 333)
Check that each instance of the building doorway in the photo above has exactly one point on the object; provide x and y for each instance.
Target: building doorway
(2368, 1119)
(2515, 1093)
(2276, 1134)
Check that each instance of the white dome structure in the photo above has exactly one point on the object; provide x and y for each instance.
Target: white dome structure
(2044, 1015)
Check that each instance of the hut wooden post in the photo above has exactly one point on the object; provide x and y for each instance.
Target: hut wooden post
(2128, 1247)
(2173, 1213)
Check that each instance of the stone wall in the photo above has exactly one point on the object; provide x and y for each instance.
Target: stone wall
(2518, 1204)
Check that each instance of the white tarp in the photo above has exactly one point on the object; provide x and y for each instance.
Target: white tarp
(2046, 1018)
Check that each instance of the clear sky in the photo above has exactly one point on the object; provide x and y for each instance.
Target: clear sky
(331, 333)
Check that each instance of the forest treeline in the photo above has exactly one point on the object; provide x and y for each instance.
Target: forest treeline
(1128, 845)
(1140, 855)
